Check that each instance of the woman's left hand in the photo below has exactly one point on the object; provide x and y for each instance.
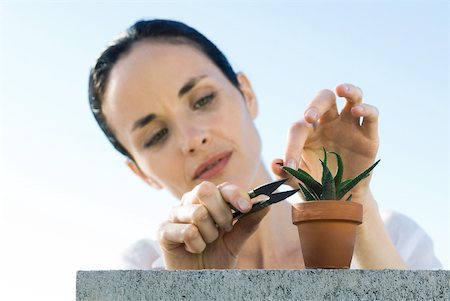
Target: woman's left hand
(354, 139)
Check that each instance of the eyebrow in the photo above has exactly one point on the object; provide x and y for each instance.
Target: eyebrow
(189, 85)
(141, 122)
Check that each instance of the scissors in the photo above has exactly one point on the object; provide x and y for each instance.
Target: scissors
(267, 190)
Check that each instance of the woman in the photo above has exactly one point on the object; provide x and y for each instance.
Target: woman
(168, 100)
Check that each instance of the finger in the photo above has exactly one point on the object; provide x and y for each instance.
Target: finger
(297, 135)
(207, 194)
(369, 116)
(198, 215)
(237, 197)
(353, 96)
(171, 235)
(323, 107)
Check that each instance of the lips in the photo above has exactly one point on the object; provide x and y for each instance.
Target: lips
(212, 166)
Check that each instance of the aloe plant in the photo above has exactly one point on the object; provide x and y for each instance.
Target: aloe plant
(331, 188)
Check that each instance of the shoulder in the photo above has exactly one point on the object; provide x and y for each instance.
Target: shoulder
(144, 254)
(412, 242)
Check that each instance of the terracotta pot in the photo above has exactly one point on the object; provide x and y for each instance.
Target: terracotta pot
(327, 232)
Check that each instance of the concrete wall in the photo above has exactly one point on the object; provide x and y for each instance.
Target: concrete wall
(263, 285)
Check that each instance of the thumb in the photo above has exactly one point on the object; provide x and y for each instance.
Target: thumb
(276, 166)
(277, 169)
(242, 230)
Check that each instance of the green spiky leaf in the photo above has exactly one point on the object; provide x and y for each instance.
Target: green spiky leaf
(349, 198)
(309, 181)
(339, 172)
(349, 185)
(328, 189)
(308, 196)
(342, 185)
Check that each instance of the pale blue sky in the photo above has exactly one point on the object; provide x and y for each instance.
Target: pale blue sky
(69, 203)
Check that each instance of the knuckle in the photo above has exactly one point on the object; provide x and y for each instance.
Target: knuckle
(173, 213)
(200, 214)
(190, 232)
(327, 93)
(373, 113)
(205, 189)
(296, 126)
(186, 198)
(376, 111)
(224, 184)
(161, 231)
(359, 92)
(230, 191)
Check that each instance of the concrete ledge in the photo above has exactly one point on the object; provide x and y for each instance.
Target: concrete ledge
(263, 285)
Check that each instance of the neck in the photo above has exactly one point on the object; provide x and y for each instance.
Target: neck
(275, 245)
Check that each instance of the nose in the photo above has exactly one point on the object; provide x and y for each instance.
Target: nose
(194, 139)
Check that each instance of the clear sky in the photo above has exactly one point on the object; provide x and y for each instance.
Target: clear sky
(68, 201)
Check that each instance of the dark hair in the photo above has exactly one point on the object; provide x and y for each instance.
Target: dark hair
(154, 30)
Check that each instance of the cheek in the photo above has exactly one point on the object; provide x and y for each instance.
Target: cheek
(248, 156)
(166, 167)
(246, 135)
(253, 141)
(238, 123)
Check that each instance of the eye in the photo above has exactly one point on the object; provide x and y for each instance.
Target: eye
(204, 101)
(157, 138)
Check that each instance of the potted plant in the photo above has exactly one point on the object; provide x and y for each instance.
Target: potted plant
(326, 224)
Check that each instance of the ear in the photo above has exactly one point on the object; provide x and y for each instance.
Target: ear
(137, 171)
(249, 95)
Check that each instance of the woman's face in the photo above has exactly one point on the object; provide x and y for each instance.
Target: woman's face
(181, 119)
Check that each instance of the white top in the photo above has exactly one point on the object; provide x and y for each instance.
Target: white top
(412, 242)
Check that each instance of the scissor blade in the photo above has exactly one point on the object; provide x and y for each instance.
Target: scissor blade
(277, 197)
(267, 189)
(274, 198)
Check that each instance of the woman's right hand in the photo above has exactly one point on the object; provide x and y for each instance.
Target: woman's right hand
(200, 234)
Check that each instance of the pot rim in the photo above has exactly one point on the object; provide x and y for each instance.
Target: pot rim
(327, 210)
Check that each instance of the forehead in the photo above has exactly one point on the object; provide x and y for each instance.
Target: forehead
(153, 71)
(159, 65)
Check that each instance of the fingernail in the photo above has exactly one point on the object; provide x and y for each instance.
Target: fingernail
(243, 204)
(312, 113)
(292, 164)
